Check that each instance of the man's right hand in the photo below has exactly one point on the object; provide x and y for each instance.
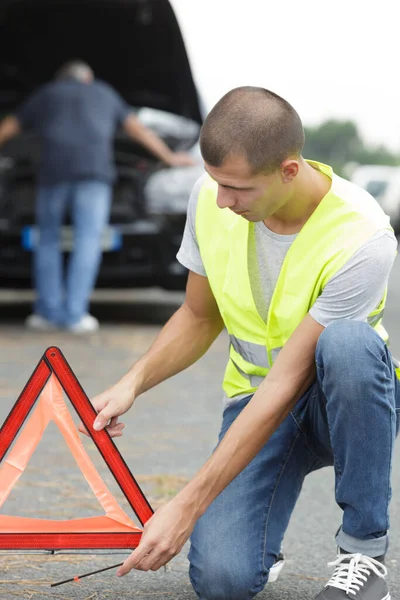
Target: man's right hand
(110, 405)
(180, 159)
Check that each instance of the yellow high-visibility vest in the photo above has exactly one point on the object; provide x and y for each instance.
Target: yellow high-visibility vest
(338, 227)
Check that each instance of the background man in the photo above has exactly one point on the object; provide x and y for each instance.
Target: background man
(76, 118)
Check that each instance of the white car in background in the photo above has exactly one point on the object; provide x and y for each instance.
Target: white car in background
(383, 183)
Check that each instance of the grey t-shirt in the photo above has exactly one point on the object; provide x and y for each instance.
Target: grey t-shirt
(353, 293)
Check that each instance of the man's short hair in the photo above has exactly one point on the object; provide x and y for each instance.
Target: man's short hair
(77, 69)
(254, 123)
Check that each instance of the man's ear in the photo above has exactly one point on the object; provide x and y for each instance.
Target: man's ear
(289, 170)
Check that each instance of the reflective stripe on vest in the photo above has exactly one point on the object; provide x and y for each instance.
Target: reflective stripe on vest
(373, 320)
(274, 353)
(254, 380)
(255, 354)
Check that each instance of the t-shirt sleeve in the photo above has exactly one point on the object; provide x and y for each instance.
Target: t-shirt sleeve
(358, 287)
(121, 108)
(30, 113)
(189, 252)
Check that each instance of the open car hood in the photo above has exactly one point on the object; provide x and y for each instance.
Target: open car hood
(134, 45)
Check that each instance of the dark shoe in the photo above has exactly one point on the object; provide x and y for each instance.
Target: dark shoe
(358, 577)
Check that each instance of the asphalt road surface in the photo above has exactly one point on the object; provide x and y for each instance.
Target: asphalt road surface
(169, 434)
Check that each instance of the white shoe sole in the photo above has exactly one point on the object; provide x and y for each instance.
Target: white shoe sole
(276, 570)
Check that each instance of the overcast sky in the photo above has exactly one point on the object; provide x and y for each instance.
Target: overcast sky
(329, 59)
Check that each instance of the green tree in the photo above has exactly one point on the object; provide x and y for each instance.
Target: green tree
(339, 142)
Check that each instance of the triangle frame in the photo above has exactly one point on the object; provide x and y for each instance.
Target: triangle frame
(53, 362)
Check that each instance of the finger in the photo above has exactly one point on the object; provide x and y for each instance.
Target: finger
(83, 429)
(156, 559)
(117, 427)
(115, 431)
(113, 422)
(105, 416)
(132, 562)
(114, 425)
(162, 561)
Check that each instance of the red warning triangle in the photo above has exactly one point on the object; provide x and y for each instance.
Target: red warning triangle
(111, 531)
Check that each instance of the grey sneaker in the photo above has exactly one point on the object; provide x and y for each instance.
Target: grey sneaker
(276, 568)
(356, 576)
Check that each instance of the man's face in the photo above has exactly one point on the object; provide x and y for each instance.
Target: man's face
(254, 197)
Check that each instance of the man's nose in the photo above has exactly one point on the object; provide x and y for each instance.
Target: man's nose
(225, 198)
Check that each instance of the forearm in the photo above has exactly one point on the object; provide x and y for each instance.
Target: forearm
(289, 378)
(148, 139)
(182, 341)
(248, 434)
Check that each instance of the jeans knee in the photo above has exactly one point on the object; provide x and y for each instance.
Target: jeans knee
(223, 581)
(343, 341)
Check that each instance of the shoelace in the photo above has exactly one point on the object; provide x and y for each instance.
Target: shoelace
(351, 575)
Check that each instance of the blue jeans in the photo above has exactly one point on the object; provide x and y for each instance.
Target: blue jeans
(59, 301)
(349, 418)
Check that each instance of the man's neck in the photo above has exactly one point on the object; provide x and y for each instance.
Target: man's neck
(310, 188)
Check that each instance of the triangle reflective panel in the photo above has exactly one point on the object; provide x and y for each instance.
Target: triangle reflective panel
(43, 395)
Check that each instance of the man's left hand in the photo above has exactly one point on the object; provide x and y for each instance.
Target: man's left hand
(163, 538)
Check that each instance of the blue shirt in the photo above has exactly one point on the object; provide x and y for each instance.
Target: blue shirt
(76, 123)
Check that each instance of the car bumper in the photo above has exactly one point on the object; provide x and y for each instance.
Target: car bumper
(146, 257)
